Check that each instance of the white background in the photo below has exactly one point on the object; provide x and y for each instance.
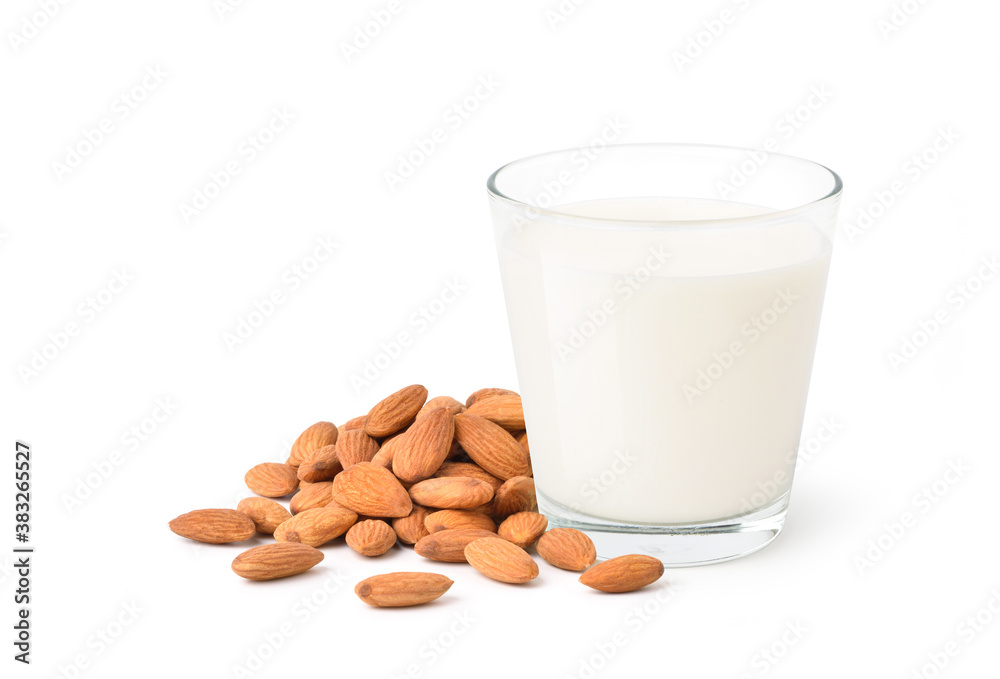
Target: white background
(63, 235)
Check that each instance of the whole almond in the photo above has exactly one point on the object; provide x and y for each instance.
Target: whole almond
(458, 518)
(491, 446)
(321, 464)
(623, 573)
(315, 527)
(314, 437)
(523, 528)
(515, 495)
(266, 514)
(318, 494)
(567, 548)
(487, 393)
(426, 445)
(396, 411)
(501, 560)
(502, 409)
(371, 537)
(272, 479)
(371, 490)
(470, 469)
(402, 589)
(409, 529)
(356, 446)
(387, 451)
(453, 492)
(269, 562)
(449, 545)
(453, 406)
(215, 526)
(353, 423)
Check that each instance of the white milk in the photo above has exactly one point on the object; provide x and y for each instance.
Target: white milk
(663, 370)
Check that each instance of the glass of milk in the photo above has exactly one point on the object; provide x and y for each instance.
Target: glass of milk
(664, 302)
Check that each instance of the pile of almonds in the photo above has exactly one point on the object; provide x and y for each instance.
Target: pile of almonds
(452, 480)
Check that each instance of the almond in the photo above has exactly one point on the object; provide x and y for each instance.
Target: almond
(356, 446)
(272, 479)
(266, 514)
(567, 548)
(317, 494)
(624, 573)
(470, 469)
(501, 560)
(449, 545)
(321, 464)
(523, 528)
(453, 492)
(371, 490)
(515, 495)
(487, 393)
(409, 529)
(491, 447)
(502, 409)
(371, 537)
(458, 518)
(395, 412)
(269, 562)
(522, 438)
(353, 423)
(454, 407)
(402, 589)
(427, 444)
(387, 451)
(315, 527)
(314, 437)
(215, 526)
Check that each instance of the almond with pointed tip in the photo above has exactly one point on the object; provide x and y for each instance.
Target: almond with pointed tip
(501, 560)
(402, 589)
(272, 479)
(371, 490)
(266, 514)
(470, 469)
(502, 409)
(214, 526)
(567, 548)
(387, 451)
(356, 446)
(515, 495)
(314, 437)
(321, 464)
(458, 518)
(449, 545)
(453, 406)
(426, 445)
(315, 527)
(315, 495)
(487, 393)
(523, 528)
(624, 573)
(281, 560)
(409, 529)
(453, 492)
(491, 446)
(371, 537)
(396, 411)
(353, 423)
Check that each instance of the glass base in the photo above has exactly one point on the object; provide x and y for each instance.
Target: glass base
(676, 545)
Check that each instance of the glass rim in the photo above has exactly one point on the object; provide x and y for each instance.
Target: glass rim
(606, 222)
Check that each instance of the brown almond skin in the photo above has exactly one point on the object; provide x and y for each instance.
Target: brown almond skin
(567, 548)
(487, 393)
(410, 529)
(445, 519)
(449, 545)
(396, 411)
(623, 573)
(427, 445)
(214, 526)
(402, 589)
(502, 409)
(523, 528)
(281, 560)
(314, 437)
(272, 479)
(356, 446)
(500, 560)
(453, 406)
(515, 495)
(321, 464)
(491, 446)
(522, 438)
(353, 423)
(371, 490)
(315, 495)
(387, 451)
(266, 514)
(470, 469)
(315, 527)
(371, 537)
(455, 492)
